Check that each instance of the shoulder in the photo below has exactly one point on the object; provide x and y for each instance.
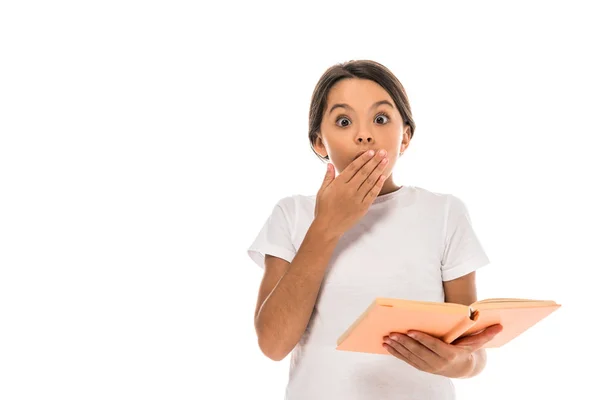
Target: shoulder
(449, 205)
(285, 208)
(294, 202)
(294, 207)
(287, 203)
(436, 199)
(300, 204)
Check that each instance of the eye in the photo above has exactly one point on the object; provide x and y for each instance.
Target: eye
(340, 118)
(379, 116)
(384, 115)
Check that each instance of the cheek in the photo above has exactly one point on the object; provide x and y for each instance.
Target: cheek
(390, 166)
(338, 163)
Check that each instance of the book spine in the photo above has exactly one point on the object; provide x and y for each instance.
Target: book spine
(461, 327)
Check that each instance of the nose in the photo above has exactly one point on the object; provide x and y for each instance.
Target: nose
(364, 137)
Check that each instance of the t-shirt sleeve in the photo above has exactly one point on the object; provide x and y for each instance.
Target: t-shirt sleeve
(463, 252)
(275, 236)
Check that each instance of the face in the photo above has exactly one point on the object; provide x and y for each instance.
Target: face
(368, 119)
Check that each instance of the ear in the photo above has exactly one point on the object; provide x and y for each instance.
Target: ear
(405, 139)
(320, 146)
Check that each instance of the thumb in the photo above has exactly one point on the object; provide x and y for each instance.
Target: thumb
(478, 340)
(329, 175)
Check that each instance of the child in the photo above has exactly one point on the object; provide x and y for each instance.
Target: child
(327, 256)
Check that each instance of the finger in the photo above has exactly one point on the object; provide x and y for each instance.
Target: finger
(374, 192)
(475, 342)
(355, 165)
(365, 171)
(373, 178)
(484, 334)
(494, 329)
(329, 175)
(472, 343)
(437, 346)
(403, 354)
(418, 352)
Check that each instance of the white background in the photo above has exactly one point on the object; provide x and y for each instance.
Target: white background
(144, 144)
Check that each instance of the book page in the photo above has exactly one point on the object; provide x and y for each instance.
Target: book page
(423, 305)
(511, 303)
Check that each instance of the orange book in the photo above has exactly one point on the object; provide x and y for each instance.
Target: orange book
(446, 321)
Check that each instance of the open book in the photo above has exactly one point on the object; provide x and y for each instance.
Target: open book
(446, 321)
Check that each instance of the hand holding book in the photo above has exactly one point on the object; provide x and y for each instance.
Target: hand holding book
(435, 356)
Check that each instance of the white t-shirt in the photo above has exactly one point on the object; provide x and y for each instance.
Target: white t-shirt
(407, 244)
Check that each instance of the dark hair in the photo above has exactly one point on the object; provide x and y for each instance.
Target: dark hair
(364, 69)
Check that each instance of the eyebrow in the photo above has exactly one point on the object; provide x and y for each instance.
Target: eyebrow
(344, 105)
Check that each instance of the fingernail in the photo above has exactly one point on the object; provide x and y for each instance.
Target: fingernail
(371, 152)
(412, 334)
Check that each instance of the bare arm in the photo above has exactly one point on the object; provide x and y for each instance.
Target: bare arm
(464, 291)
(288, 293)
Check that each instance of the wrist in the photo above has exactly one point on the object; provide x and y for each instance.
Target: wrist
(322, 229)
(462, 368)
(467, 366)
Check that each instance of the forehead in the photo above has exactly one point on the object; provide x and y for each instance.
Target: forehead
(357, 91)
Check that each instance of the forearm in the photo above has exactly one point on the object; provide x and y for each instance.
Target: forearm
(285, 313)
